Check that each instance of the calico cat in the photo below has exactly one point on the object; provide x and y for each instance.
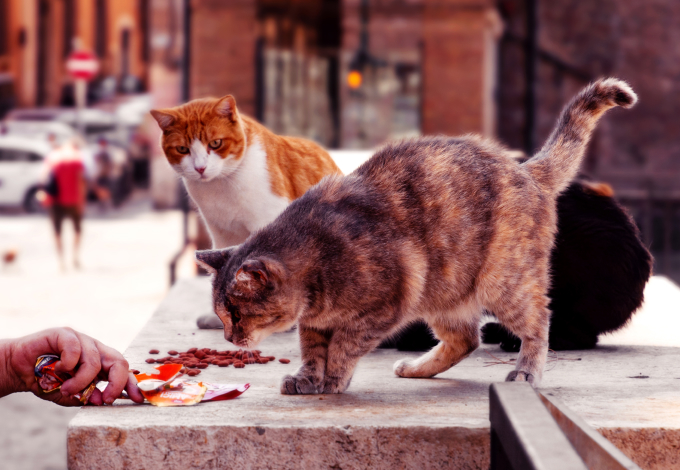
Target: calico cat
(599, 271)
(434, 228)
(240, 175)
(599, 268)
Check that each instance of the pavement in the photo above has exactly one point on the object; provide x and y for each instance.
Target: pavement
(124, 276)
(628, 392)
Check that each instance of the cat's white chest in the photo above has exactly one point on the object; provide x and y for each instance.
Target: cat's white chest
(236, 205)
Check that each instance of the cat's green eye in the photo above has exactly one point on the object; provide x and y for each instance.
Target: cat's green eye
(182, 149)
(215, 144)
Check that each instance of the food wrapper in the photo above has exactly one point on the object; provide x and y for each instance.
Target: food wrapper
(168, 388)
(50, 380)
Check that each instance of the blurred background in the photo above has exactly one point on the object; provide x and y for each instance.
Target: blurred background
(349, 74)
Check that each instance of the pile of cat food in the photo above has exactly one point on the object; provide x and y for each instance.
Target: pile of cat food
(195, 359)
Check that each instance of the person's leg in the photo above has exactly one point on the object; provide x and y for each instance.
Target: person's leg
(56, 214)
(76, 216)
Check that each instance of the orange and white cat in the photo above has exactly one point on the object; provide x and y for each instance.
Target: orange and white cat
(240, 175)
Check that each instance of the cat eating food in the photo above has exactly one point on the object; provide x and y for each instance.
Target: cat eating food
(433, 228)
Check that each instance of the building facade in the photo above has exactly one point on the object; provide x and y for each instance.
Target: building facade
(37, 36)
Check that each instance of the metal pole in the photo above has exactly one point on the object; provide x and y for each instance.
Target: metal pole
(81, 102)
(530, 61)
(186, 50)
(186, 96)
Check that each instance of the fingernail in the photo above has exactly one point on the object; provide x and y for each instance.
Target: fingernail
(65, 393)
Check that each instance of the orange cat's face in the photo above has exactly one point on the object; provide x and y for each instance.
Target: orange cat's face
(202, 139)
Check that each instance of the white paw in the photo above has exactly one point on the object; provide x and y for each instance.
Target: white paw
(400, 367)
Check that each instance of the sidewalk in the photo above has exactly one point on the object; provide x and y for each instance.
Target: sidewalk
(124, 276)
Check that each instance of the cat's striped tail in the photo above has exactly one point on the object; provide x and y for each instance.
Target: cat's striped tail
(558, 162)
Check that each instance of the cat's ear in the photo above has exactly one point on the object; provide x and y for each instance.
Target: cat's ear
(256, 275)
(164, 118)
(226, 107)
(213, 260)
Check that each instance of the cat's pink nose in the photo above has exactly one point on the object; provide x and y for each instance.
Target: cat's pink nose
(200, 169)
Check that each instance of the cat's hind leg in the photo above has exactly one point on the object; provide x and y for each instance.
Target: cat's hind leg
(458, 339)
(528, 317)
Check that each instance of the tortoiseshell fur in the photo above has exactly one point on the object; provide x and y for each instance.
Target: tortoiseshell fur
(435, 228)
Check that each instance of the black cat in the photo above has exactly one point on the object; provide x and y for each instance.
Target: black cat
(599, 271)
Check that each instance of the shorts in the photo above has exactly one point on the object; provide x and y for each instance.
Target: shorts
(59, 213)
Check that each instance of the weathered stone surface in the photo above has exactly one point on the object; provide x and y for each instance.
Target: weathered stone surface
(382, 421)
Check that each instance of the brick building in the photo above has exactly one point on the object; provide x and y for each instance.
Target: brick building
(578, 41)
(503, 68)
(36, 37)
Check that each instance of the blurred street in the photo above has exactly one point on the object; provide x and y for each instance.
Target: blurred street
(124, 276)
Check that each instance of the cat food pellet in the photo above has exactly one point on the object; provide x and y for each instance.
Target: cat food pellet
(284, 360)
(194, 360)
(135, 371)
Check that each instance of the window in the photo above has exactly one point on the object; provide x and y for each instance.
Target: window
(100, 30)
(69, 25)
(4, 27)
(17, 155)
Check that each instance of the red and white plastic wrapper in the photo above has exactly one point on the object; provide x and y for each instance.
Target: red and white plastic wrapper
(168, 388)
(49, 380)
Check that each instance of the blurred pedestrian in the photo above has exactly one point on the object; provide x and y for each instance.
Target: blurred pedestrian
(103, 161)
(82, 357)
(66, 188)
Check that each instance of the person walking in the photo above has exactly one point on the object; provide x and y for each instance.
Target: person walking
(66, 189)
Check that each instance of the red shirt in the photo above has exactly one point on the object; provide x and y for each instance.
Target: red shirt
(69, 175)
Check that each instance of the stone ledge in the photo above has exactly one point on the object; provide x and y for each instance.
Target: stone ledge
(382, 421)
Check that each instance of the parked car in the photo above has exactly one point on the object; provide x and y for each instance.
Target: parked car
(21, 170)
(38, 130)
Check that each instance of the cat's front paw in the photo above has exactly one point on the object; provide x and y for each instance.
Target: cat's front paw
(335, 385)
(297, 385)
(521, 376)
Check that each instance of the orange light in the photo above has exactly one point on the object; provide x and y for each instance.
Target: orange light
(354, 79)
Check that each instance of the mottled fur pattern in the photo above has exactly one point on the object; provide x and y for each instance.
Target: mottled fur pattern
(599, 271)
(434, 228)
(599, 268)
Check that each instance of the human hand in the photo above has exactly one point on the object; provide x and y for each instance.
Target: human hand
(93, 360)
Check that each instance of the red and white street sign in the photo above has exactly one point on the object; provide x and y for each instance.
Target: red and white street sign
(83, 65)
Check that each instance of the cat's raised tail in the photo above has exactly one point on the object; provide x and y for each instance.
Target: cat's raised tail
(558, 162)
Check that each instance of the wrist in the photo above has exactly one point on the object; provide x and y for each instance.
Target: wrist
(9, 381)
